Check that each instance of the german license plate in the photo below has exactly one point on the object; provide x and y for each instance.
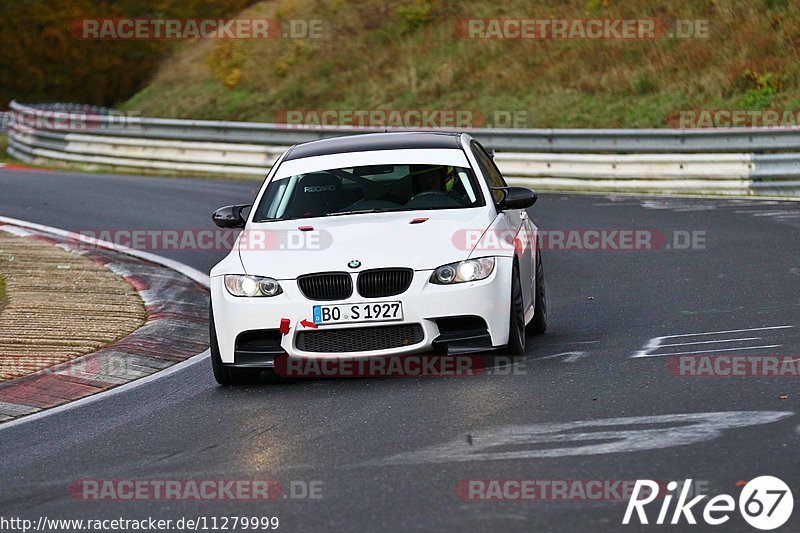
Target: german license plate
(361, 312)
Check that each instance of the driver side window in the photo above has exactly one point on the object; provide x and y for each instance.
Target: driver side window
(490, 171)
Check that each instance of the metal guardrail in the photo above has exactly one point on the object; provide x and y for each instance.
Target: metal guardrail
(723, 161)
(722, 140)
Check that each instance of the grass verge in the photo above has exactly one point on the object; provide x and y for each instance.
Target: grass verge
(4, 157)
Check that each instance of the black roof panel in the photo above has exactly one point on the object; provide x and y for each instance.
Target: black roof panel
(374, 141)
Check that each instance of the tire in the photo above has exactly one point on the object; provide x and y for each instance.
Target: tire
(516, 322)
(226, 375)
(538, 323)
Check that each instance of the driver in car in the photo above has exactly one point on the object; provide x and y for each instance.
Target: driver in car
(433, 178)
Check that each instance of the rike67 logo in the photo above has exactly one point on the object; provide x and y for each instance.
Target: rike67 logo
(765, 503)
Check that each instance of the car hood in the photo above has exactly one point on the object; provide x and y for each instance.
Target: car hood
(376, 240)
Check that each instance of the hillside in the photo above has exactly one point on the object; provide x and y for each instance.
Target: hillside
(411, 55)
(43, 60)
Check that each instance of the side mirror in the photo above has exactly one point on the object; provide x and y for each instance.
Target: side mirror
(517, 198)
(229, 216)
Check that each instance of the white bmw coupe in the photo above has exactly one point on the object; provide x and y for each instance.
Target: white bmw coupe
(374, 245)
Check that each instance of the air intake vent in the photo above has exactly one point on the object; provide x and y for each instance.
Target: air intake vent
(383, 282)
(326, 286)
(364, 339)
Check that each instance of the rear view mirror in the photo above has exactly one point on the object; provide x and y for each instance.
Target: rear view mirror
(229, 216)
(373, 170)
(517, 198)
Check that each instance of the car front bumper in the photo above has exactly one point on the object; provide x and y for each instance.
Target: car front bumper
(423, 303)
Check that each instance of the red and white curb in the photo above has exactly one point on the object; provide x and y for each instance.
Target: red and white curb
(174, 336)
(6, 166)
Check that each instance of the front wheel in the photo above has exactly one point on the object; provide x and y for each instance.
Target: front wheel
(538, 323)
(516, 319)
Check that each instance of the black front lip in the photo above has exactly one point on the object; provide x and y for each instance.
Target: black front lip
(456, 343)
(464, 342)
(256, 359)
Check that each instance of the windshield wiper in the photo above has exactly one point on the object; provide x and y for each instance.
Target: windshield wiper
(354, 212)
(358, 212)
(278, 219)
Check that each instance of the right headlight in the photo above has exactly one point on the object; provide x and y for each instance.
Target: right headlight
(252, 286)
(463, 271)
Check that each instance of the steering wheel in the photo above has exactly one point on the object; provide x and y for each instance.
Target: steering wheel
(371, 204)
(428, 193)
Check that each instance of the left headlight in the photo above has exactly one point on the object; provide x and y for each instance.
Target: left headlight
(469, 270)
(252, 286)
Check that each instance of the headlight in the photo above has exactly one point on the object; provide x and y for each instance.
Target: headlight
(470, 270)
(252, 286)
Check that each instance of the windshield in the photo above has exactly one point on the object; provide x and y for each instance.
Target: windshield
(369, 189)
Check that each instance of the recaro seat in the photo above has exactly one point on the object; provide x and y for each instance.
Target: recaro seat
(317, 194)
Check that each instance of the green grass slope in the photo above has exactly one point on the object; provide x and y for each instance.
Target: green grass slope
(407, 55)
